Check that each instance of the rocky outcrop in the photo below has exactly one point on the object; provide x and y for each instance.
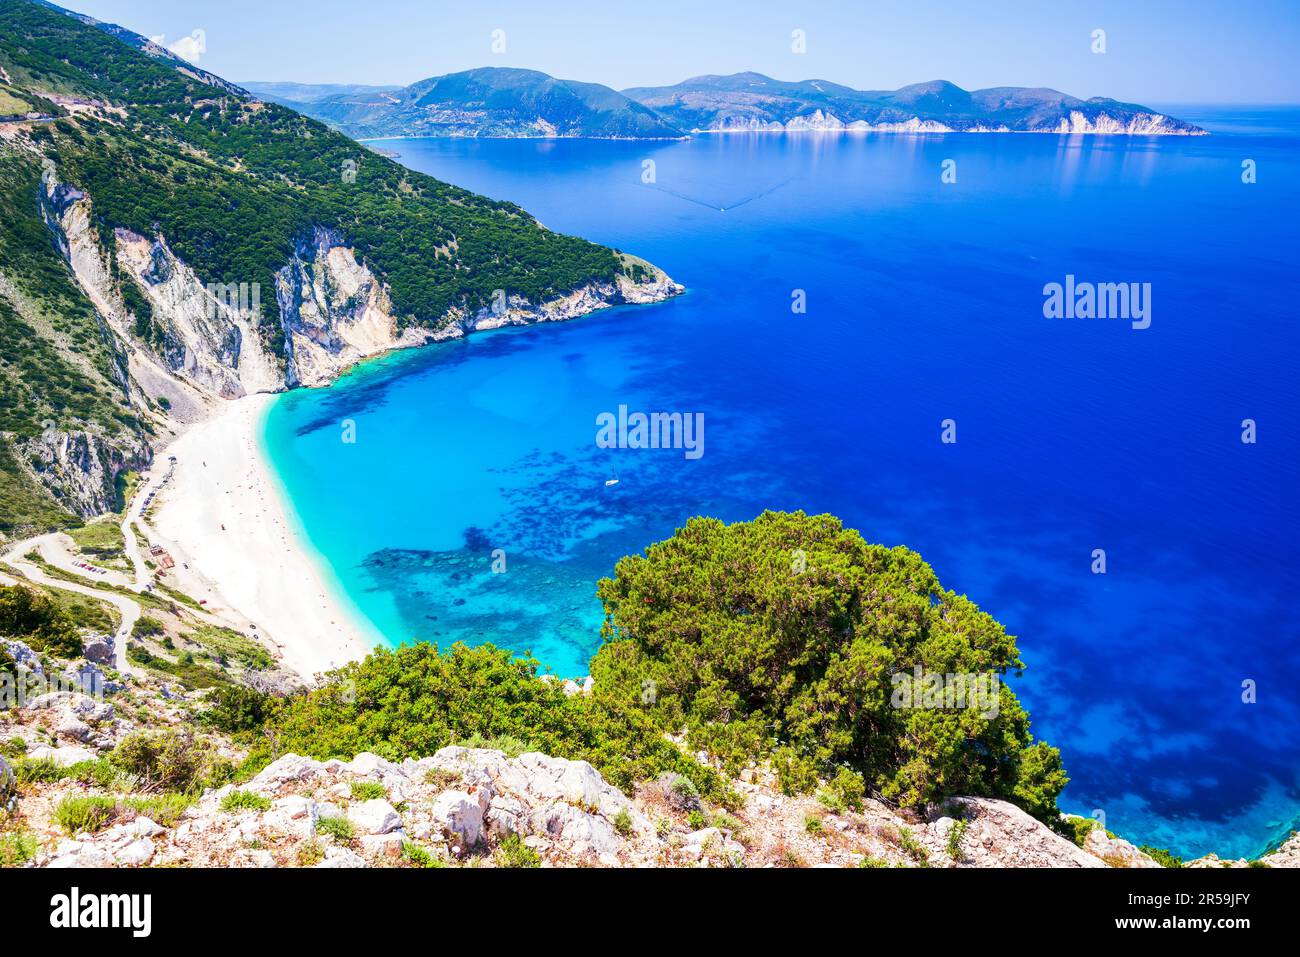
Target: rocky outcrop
(203, 341)
(334, 312)
(81, 468)
(208, 333)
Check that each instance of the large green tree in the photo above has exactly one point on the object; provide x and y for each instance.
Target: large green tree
(781, 638)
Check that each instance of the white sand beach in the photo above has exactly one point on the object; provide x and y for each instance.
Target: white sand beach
(223, 514)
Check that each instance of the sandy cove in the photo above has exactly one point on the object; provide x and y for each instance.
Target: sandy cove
(224, 515)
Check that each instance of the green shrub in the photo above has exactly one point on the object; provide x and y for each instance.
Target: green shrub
(99, 773)
(813, 825)
(869, 860)
(146, 627)
(420, 857)
(237, 708)
(623, 822)
(955, 834)
(414, 700)
(89, 813)
(368, 790)
(39, 771)
(15, 747)
(339, 828)
(1161, 856)
(39, 621)
(1075, 828)
(845, 792)
(245, 801)
(745, 647)
(167, 760)
(913, 848)
(164, 809)
(442, 779)
(17, 848)
(513, 852)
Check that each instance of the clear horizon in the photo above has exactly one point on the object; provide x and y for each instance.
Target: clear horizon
(1192, 53)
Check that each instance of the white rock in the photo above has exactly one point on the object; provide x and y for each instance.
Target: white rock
(137, 853)
(383, 845)
(143, 827)
(284, 770)
(374, 817)
(336, 856)
(65, 757)
(459, 814)
(366, 764)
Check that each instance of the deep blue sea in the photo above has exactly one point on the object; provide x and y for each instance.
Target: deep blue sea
(924, 303)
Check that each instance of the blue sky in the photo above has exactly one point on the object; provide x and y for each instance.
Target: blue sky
(1157, 51)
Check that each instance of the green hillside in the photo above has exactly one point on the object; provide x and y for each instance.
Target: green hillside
(233, 184)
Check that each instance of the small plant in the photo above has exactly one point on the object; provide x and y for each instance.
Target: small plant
(1077, 829)
(339, 828)
(663, 826)
(367, 790)
(17, 848)
(698, 820)
(165, 760)
(513, 852)
(813, 825)
(98, 773)
(1161, 856)
(684, 795)
(623, 823)
(844, 793)
(89, 813)
(15, 747)
(910, 846)
(869, 860)
(237, 801)
(955, 834)
(419, 857)
(441, 778)
(39, 771)
(310, 853)
(164, 809)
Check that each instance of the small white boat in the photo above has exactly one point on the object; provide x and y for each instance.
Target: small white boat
(609, 482)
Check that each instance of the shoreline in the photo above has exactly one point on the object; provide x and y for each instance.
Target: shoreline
(225, 516)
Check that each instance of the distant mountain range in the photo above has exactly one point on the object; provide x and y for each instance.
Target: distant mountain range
(508, 102)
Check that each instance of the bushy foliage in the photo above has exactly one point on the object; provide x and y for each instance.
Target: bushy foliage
(412, 701)
(39, 621)
(85, 812)
(238, 708)
(147, 626)
(1162, 856)
(166, 760)
(237, 801)
(779, 638)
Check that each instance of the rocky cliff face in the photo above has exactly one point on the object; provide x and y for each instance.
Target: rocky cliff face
(198, 344)
(330, 310)
(1142, 124)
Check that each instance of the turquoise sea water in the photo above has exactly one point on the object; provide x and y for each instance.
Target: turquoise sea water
(924, 303)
